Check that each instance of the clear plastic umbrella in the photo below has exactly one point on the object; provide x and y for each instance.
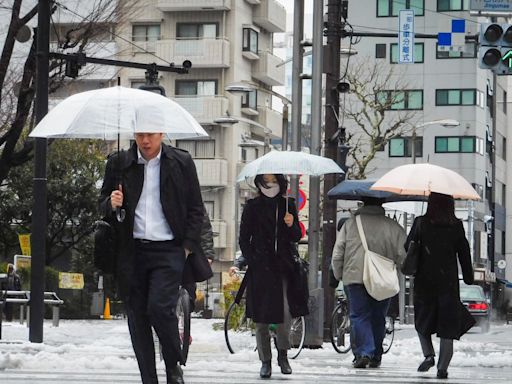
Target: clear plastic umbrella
(109, 113)
(289, 163)
(112, 113)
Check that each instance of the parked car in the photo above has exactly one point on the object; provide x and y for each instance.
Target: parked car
(474, 299)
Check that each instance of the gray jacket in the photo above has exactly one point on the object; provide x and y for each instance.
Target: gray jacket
(383, 235)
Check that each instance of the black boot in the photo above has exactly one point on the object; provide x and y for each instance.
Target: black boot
(426, 364)
(175, 375)
(282, 361)
(266, 369)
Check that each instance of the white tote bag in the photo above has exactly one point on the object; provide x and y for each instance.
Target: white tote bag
(379, 273)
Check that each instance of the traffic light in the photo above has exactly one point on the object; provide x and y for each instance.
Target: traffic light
(495, 52)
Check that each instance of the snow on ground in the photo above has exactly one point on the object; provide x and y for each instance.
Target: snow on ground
(78, 345)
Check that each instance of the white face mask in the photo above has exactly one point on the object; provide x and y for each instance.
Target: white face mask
(271, 191)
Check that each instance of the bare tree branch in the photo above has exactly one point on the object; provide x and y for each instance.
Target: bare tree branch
(375, 111)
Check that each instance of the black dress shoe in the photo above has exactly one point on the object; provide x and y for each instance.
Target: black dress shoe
(374, 362)
(442, 374)
(361, 362)
(282, 361)
(428, 363)
(175, 375)
(266, 369)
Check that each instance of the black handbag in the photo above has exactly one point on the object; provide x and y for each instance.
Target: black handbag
(410, 264)
(105, 246)
(197, 268)
(298, 284)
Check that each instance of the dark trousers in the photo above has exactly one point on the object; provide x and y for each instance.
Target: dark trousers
(368, 320)
(152, 303)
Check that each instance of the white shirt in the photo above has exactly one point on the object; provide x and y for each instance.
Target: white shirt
(150, 222)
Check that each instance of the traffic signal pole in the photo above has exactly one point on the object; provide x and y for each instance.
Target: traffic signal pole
(39, 213)
(334, 26)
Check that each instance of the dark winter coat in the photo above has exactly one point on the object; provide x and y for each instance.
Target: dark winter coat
(267, 269)
(437, 305)
(180, 196)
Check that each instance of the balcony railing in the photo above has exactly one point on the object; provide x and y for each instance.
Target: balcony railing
(193, 5)
(203, 53)
(266, 69)
(220, 233)
(271, 119)
(270, 15)
(205, 109)
(212, 172)
(144, 46)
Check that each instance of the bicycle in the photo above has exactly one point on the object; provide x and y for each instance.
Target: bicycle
(340, 328)
(183, 315)
(240, 331)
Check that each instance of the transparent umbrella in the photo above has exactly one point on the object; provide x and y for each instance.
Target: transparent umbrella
(112, 113)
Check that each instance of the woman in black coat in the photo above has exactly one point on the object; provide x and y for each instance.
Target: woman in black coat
(437, 305)
(268, 231)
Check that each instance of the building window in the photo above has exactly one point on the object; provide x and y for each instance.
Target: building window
(401, 100)
(250, 40)
(391, 8)
(199, 149)
(455, 144)
(137, 83)
(455, 97)
(380, 51)
(504, 151)
(418, 53)
(197, 30)
(196, 87)
(504, 102)
(402, 147)
(250, 100)
(145, 32)
(470, 52)
(452, 5)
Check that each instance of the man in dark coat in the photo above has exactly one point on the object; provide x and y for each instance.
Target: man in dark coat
(158, 188)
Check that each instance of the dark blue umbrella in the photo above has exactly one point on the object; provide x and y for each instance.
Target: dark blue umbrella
(357, 189)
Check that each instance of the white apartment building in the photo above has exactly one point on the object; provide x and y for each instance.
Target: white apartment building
(228, 42)
(448, 85)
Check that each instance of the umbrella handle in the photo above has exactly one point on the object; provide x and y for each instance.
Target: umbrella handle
(120, 214)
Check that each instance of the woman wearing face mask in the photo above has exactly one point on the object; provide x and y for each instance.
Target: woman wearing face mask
(268, 231)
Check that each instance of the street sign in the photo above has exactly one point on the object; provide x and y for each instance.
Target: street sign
(455, 40)
(502, 264)
(491, 6)
(406, 36)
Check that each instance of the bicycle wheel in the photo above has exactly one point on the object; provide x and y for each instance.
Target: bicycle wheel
(183, 314)
(340, 329)
(297, 336)
(389, 335)
(239, 331)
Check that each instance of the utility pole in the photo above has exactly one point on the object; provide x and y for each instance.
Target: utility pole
(39, 214)
(297, 64)
(334, 26)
